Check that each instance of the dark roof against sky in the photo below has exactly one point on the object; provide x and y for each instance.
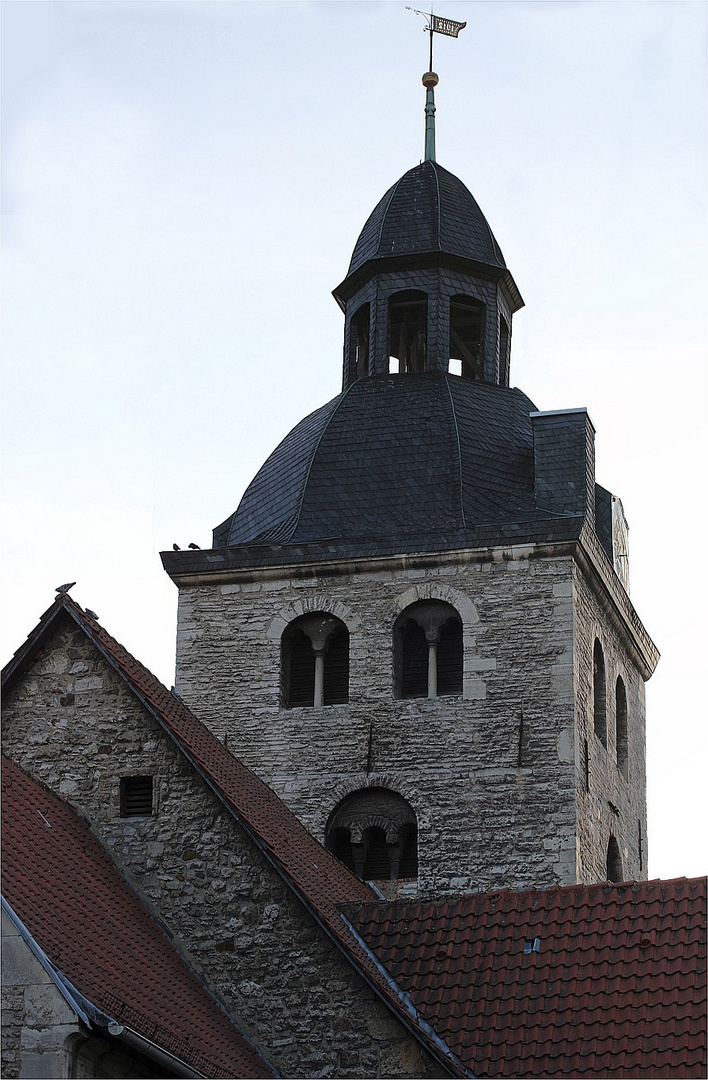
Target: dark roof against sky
(92, 926)
(427, 210)
(616, 988)
(427, 454)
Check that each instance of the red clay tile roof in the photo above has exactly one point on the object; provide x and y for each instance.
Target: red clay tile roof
(617, 987)
(321, 881)
(92, 926)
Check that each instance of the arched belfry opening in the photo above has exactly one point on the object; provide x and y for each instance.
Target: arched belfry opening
(440, 297)
(428, 651)
(359, 342)
(467, 329)
(374, 832)
(504, 344)
(408, 332)
(315, 661)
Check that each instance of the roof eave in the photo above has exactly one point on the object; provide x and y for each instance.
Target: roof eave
(426, 260)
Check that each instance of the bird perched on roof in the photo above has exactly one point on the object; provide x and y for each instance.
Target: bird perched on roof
(91, 614)
(65, 588)
(176, 547)
(195, 547)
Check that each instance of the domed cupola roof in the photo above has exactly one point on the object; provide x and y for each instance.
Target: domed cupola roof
(427, 210)
(392, 459)
(428, 220)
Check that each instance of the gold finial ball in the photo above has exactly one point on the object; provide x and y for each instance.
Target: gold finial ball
(430, 79)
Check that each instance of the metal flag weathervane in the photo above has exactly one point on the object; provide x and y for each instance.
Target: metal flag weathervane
(450, 28)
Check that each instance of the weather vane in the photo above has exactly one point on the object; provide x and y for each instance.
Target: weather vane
(449, 28)
(436, 25)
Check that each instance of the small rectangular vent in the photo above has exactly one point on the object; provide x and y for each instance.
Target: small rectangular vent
(136, 796)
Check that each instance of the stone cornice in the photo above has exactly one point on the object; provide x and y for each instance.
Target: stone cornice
(586, 552)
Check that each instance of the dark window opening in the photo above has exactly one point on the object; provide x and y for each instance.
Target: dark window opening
(377, 865)
(339, 842)
(621, 726)
(373, 832)
(136, 796)
(336, 668)
(315, 662)
(503, 351)
(414, 661)
(359, 343)
(301, 689)
(408, 841)
(449, 657)
(466, 352)
(408, 332)
(428, 651)
(599, 702)
(614, 861)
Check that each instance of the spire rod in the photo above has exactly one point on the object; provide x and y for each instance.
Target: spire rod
(450, 28)
(430, 81)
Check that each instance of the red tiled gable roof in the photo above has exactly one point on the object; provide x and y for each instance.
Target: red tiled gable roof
(318, 879)
(617, 987)
(94, 929)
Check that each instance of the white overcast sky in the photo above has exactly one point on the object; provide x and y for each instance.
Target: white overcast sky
(183, 186)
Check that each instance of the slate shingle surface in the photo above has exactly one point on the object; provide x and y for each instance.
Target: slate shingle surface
(427, 210)
(394, 456)
(616, 989)
(92, 926)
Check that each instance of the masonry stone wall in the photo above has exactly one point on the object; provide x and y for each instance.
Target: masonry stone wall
(609, 803)
(73, 724)
(36, 1020)
(491, 775)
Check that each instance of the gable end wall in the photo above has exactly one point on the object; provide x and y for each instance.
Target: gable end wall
(73, 723)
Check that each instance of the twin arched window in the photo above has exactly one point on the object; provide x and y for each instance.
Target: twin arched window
(374, 833)
(428, 654)
(428, 650)
(315, 661)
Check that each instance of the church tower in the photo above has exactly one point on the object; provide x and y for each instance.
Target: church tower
(416, 626)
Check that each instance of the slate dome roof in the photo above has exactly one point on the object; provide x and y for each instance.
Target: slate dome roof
(427, 210)
(395, 456)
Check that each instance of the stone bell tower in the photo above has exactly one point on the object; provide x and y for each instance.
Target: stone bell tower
(416, 626)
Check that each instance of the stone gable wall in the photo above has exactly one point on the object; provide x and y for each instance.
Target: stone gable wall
(609, 804)
(37, 1023)
(73, 724)
(490, 775)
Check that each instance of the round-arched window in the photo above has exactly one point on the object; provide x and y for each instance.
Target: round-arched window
(315, 661)
(428, 653)
(374, 832)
